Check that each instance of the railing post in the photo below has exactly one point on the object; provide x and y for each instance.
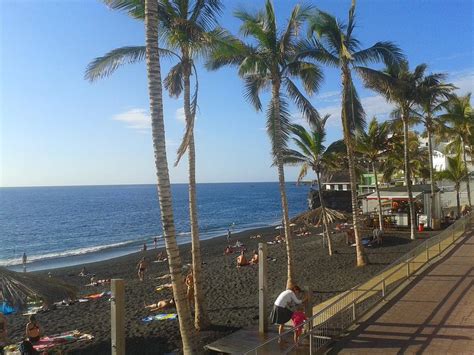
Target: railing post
(427, 252)
(408, 269)
(383, 289)
(310, 336)
(262, 288)
(354, 312)
(118, 316)
(439, 245)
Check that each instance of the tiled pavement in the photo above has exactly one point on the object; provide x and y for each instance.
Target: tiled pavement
(433, 315)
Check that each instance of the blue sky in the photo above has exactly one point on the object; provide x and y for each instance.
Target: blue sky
(58, 129)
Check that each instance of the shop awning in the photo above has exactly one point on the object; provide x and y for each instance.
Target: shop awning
(393, 195)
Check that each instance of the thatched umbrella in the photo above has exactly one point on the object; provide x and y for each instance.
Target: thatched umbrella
(315, 217)
(16, 287)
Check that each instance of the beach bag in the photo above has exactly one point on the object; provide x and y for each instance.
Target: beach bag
(26, 348)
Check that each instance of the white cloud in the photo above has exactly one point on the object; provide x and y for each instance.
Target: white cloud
(180, 115)
(329, 96)
(136, 118)
(464, 81)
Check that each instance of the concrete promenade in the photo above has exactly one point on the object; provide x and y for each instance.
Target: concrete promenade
(434, 314)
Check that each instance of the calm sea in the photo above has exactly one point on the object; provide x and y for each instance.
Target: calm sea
(60, 226)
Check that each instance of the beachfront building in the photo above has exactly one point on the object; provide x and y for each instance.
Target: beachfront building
(395, 208)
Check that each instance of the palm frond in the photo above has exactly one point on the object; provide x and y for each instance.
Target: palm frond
(386, 52)
(254, 84)
(173, 81)
(278, 143)
(303, 104)
(135, 8)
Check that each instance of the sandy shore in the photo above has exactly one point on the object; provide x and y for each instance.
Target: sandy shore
(231, 293)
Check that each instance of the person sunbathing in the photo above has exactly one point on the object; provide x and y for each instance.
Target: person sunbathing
(254, 260)
(164, 304)
(242, 260)
(161, 257)
(228, 250)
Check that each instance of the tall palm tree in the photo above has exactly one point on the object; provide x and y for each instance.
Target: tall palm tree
(161, 164)
(336, 46)
(455, 172)
(393, 163)
(459, 128)
(433, 93)
(311, 153)
(188, 30)
(400, 86)
(271, 62)
(373, 145)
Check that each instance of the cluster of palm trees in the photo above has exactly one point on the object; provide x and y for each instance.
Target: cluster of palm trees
(282, 61)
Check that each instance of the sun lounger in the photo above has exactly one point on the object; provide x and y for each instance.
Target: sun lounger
(161, 316)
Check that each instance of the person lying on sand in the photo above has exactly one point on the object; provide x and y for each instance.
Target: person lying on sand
(161, 257)
(164, 304)
(254, 260)
(242, 260)
(228, 250)
(141, 267)
(238, 244)
(165, 276)
(256, 236)
(84, 272)
(99, 282)
(33, 330)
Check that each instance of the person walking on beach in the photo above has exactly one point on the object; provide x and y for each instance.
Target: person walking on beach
(281, 312)
(24, 260)
(155, 242)
(228, 235)
(142, 265)
(144, 247)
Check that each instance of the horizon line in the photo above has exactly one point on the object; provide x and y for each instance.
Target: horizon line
(144, 184)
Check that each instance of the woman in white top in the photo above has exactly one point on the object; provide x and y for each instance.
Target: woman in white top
(281, 312)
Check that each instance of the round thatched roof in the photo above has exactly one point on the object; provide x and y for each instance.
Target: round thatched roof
(315, 217)
(16, 287)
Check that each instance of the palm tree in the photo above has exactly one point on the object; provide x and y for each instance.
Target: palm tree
(402, 87)
(335, 46)
(460, 128)
(433, 93)
(161, 164)
(271, 62)
(374, 144)
(188, 29)
(455, 172)
(313, 154)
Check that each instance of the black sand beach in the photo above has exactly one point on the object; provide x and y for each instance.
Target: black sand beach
(231, 293)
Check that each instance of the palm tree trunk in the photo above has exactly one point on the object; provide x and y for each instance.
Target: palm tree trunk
(164, 186)
(465, 167)
(378, 197)
(323, 210)
(408, 174)
(432, 182)
(346, 80)
(281, 180)
(201, 319)
(458, 200)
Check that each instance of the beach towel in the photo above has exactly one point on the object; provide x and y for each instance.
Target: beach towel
(161, 316)
(52, 341)
(163, 287)
(96, 296)
(32, 310)
(6, 309)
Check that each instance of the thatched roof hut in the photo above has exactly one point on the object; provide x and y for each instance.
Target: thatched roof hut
(16, 287)
(315, 217)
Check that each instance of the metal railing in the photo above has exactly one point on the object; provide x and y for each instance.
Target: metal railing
(340, 314)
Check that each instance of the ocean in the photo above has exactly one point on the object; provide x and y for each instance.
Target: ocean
(64, 226)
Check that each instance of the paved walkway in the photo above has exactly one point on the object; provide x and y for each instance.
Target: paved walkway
(434, 314)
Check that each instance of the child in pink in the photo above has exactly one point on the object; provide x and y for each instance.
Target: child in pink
(298, 318)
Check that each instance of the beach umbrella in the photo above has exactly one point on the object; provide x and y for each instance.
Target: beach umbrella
(17, 287)
(315, 217)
